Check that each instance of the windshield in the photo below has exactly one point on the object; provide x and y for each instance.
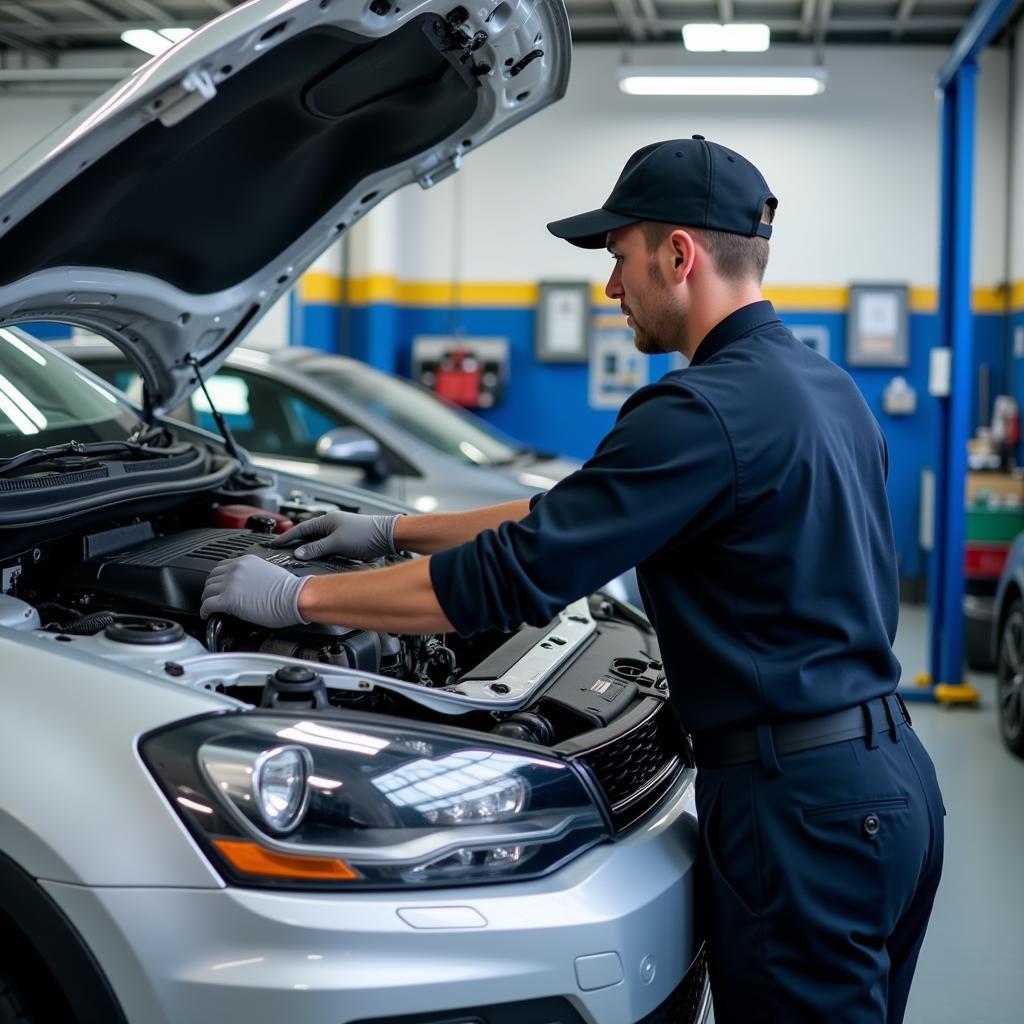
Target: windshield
(45, 400)
(444, 427)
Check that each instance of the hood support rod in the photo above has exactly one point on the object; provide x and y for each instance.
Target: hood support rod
(229, 442)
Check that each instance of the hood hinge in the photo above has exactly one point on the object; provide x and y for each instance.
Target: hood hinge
(183, 98)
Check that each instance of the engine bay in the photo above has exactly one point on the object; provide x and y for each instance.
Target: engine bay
(130, 591)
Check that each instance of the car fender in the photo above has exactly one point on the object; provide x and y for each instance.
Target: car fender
(73, 778)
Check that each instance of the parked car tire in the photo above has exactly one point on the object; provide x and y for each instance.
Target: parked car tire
(1010, 679)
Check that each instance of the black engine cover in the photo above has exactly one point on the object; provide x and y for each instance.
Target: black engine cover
(168, 574)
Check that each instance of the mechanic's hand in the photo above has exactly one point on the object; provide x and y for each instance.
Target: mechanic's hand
(349, 534)
(255, 590)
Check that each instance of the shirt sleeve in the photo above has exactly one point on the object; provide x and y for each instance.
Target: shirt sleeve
(665, 472)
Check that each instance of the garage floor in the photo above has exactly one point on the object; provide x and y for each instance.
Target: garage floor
(971, 969)
(971, 965)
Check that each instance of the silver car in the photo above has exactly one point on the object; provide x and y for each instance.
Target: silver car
(205, 820)
(297, 407)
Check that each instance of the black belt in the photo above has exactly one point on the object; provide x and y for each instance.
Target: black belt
(728, 747)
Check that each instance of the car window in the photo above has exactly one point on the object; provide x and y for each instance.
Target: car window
(45, 400)
(265, 416)
(443, 426)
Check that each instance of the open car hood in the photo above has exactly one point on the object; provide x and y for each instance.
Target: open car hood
(175, 210)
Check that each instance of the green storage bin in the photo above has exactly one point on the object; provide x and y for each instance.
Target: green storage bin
(994, 524)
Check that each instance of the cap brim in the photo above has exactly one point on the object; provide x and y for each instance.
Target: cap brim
(590, 230)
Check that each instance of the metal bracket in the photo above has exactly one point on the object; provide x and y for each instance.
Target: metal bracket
(183, 98)
(445, 170)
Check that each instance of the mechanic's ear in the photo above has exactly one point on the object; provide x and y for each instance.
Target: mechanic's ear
(683, 248)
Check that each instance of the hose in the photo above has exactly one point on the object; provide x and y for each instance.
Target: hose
(84, 626)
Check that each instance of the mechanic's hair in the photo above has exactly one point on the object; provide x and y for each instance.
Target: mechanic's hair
(736, 257)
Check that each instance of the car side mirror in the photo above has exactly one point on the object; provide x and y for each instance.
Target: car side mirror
(347, 446)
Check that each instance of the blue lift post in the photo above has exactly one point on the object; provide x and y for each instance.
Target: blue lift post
(957, 79)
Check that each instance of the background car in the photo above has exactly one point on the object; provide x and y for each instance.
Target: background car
(298, 409)
(392, 435)
(1008, 649)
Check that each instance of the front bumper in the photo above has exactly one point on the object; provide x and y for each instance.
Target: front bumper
(610, 937)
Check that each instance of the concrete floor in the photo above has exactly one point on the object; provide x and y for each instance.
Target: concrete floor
(971, 969)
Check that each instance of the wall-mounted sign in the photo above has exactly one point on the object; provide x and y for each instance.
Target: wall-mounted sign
(468, 371)
(878, 332)
(563, 321)
(617, 369)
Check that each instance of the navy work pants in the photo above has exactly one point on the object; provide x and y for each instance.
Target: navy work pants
(818, 882)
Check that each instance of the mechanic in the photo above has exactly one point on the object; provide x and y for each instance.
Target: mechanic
(749, 491)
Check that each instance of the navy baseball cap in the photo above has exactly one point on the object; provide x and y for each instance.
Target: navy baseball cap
(691, 182)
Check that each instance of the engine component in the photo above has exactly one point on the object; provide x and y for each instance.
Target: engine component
(139, 629)
(294, 687)
(85, 625)
(261, 524)
(528, 727)
(169, 573)
(236, 517)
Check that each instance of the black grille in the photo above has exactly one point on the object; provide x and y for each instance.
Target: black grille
(209, 545)
(226, 547)
(636, 769)
(686, 1002)
(37, 483)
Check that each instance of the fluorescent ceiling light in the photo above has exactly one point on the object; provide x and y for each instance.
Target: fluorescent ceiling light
(149, 41)
(735, 37)
(703, 38)
(740, 38)
(722, 81)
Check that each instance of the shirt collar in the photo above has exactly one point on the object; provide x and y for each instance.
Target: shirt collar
(735, 326)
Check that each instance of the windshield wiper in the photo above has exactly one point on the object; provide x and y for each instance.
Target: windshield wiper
(96, 448)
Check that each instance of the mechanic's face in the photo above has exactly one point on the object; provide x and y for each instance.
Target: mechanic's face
(638, 284)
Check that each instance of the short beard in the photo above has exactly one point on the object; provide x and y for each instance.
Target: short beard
(664, 325)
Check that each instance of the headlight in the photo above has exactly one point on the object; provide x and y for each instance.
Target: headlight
(276, 799)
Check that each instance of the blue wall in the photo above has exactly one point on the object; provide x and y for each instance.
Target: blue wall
(546, 405)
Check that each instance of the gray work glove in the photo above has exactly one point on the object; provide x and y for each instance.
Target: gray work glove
(349, 534)
(255, 590)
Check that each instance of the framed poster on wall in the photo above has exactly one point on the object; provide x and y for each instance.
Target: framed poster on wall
(563, 321)
(617, 369)
(878, 331)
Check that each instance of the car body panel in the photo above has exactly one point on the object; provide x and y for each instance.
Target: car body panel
(125, 833)
(354, 957)
(1010, 586)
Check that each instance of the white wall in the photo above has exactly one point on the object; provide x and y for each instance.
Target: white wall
(856, 170)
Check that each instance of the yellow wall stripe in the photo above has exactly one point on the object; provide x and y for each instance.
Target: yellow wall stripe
(320, 287)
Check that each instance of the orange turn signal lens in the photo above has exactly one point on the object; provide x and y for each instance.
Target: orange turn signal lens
(253, 859)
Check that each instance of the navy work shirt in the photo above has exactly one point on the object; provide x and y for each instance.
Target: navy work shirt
(749, 492)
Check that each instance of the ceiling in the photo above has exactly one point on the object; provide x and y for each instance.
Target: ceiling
(51, 28)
